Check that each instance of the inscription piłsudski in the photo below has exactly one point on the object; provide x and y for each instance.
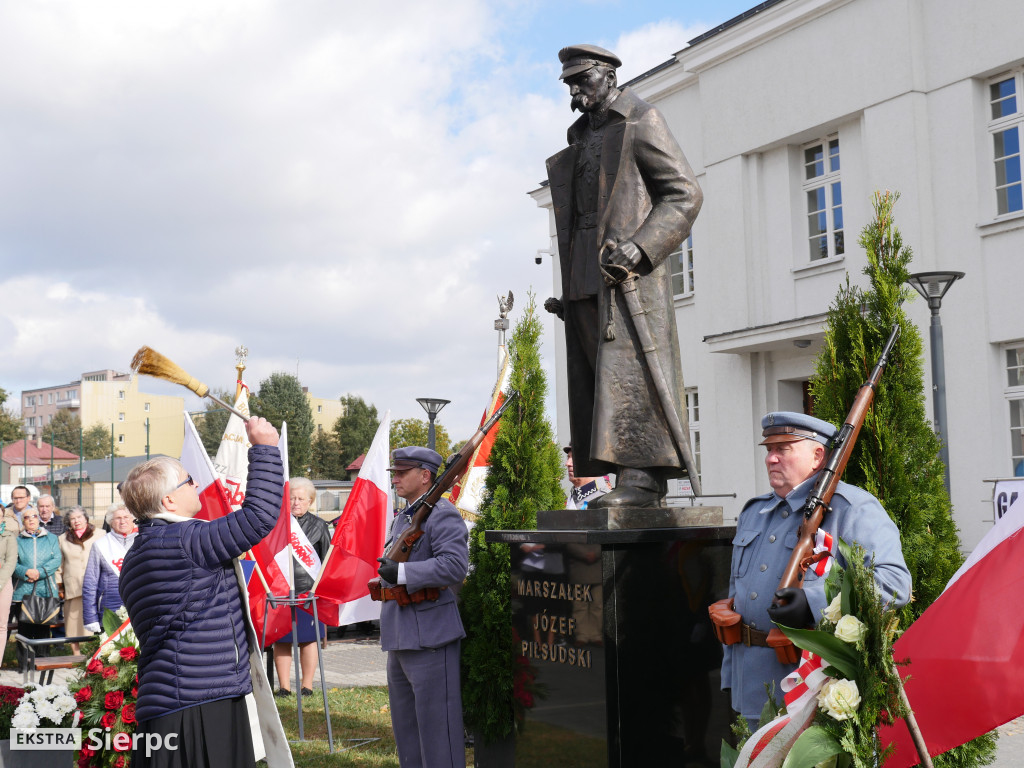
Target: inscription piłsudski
(555, 590)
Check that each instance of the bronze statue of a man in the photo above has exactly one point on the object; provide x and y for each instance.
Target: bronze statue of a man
(624, 199)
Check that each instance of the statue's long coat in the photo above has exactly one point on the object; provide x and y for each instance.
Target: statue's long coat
(647, 194)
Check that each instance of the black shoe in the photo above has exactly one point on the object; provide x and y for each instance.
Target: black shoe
(307, 691)
(283, 693)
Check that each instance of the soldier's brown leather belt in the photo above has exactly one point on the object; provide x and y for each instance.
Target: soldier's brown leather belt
(401, 595)
(750, 636)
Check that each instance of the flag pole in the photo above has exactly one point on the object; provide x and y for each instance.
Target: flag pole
(915, 730)
(323, 567)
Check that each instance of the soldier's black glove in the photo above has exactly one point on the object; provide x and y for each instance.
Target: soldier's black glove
(388, 570)
(792, 609)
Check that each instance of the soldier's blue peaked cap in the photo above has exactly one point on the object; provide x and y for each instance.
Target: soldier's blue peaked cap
(580, 58)
(787, 426)
(415, 456)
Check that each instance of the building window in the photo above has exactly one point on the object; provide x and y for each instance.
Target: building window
(120, 417)
(120, 438)
(1015, 396)
(49, 398)
(120, 394)
(823, 190)
(1006, 123)
(146, 407)
(319, 409)
(681, 266)
(693, 414)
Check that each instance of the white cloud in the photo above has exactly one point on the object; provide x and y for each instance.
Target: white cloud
(339, 186)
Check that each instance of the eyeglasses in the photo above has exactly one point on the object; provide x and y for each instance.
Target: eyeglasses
(187, 481)
(18, 498)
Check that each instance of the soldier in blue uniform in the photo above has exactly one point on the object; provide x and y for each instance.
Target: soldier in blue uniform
(423, 639)
(797, 447)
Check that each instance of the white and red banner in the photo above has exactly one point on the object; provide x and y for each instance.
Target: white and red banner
(232, 460)
(769, 745)
(966, 651)
(467, 494)
(358, 540)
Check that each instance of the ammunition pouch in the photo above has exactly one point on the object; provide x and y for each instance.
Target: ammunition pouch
(726, 622)
(785, 651)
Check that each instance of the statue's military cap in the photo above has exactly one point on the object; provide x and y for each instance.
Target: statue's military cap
(580, 58)
(414, 456)
(786, 427)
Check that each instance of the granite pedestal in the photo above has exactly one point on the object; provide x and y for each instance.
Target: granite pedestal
(610, 613)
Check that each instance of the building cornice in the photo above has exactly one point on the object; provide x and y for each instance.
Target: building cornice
(771, 336)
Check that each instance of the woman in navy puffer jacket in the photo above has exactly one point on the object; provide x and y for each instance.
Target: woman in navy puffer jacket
(178, 583)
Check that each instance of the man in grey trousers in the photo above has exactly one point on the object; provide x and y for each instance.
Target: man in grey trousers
(423, 638)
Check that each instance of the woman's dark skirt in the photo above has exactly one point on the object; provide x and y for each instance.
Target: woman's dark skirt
(307, 634)
(211, 735)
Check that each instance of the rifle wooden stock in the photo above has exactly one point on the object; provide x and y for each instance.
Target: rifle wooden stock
(818, 501)
(423, 506)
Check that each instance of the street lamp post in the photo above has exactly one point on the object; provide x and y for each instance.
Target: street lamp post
(433, 406)
(933, 286)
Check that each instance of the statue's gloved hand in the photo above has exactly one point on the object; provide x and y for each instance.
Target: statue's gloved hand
(554, 306)
(388, 570)
(626, 254)
(792, 609)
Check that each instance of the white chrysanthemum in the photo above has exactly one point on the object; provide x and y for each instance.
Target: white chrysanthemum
(25, 717)
(122, 613)
(47, 711)
(64, 702)
(834, 611)
(850, 629)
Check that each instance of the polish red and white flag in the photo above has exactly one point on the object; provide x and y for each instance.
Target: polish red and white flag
(966, 651)
(341, 591)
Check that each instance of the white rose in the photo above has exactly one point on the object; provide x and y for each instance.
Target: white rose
(850, 629)
(839, 699)
(121, 613)
(834, 610)
(114, 656)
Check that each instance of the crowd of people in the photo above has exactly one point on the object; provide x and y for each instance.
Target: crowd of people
(65, 556)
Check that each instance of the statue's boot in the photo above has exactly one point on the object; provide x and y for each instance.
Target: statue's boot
(633, 488)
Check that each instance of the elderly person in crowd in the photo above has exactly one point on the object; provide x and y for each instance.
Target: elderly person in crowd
(38, 561)
(99, 585)
(302, 494)
(180, 586)
(49, 517)
(75, 546)
(9, 530)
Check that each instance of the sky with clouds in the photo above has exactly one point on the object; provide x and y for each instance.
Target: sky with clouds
(342, 187)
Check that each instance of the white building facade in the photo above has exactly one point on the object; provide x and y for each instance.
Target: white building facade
(793, 117)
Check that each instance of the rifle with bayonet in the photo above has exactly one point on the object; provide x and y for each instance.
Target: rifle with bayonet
(418, 512)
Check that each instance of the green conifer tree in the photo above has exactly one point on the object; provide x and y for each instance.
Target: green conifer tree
(896, 457)
(525, 476)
